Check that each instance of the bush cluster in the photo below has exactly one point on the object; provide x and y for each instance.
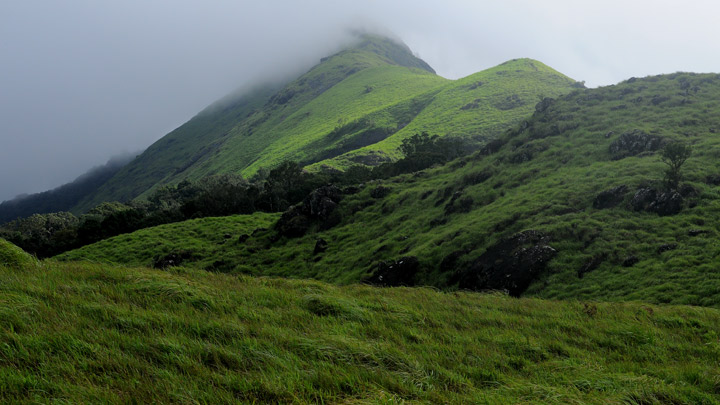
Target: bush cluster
(47, 235)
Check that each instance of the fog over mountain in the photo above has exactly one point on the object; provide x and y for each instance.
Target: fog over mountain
(81, 81)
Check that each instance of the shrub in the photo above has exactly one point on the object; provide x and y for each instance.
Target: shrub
(674, 155)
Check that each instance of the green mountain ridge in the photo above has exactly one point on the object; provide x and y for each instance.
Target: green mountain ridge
(545, 176)
(565, 260)
(355, 107)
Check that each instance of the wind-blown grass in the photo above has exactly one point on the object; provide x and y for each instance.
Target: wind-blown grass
(78, 333)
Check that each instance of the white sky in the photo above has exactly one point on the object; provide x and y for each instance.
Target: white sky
(83, 80)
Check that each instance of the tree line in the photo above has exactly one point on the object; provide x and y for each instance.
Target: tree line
(47, 235)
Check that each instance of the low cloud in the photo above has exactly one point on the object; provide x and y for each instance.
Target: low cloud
(82, 80)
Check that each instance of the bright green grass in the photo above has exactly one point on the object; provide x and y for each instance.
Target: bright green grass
(507, 95)
(232, 133)
(207, 239)
(377, 88)
(553, 193)
(85, 333)
(13, 256)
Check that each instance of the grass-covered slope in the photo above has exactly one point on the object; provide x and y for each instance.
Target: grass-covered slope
(233, 133)
(204, 241)
(354, 107)
(476, 107)
(545, 177)
(84, 333)
(14, 257)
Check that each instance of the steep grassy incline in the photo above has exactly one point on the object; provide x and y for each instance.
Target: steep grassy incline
(235, 132)
(14, 257)
(83, 333)
(195, 140)
(476, 107)
(544, 175)
(354, 107)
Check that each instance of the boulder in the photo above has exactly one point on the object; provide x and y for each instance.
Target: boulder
(544, 104)
(321, 245)
(396, 273)
(663, 203)
(591, 264)
(322, 202)
(696, 232)
(667, 203)
(380, 192)
(713, 180)
(318, 206)
(630, 261)
(610, 198)
(171, 259)
(293, 223)
(634, 143)
(509, 265)
(642, 198)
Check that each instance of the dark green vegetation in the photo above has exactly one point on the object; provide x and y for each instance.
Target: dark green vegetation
(84, 333)
(584, 172)
(354, 107)
(204, 242)
(46, 235)
(63, 198)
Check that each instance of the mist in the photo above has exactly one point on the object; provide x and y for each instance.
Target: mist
(81, 81)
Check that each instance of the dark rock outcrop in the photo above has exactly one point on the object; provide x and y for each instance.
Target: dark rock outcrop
(591, 264)
(322, 202)
(661, 202)
(380, 192)
(510, 265)
(321, 245)
(318, 207)
(713, 180)
(610, 198)
(666, 247)
(397, 273)
(630, 261)
(696, 232)
(544, 104)
(634, 143)
(171, 259)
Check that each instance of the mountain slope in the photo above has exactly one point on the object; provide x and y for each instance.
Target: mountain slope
(62, 198)
(84, 333)
(367, 96)
(476, 107)
(546, 175)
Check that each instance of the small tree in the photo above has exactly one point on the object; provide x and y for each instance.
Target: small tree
(674, 155)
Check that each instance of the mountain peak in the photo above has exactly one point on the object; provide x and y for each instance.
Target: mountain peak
(391, 51)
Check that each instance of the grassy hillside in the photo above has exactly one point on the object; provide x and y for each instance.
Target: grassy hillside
(354, 107)
(83, 333)
(478, 107)
(235, 131)
(204, 241)
(544, 175)
(13, 257)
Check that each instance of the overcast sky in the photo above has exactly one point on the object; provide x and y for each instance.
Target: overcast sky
(81, 81)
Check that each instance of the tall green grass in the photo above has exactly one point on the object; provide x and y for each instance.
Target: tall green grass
(88, 333)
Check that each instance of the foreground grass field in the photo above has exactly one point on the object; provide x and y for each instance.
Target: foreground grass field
(84, 333)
